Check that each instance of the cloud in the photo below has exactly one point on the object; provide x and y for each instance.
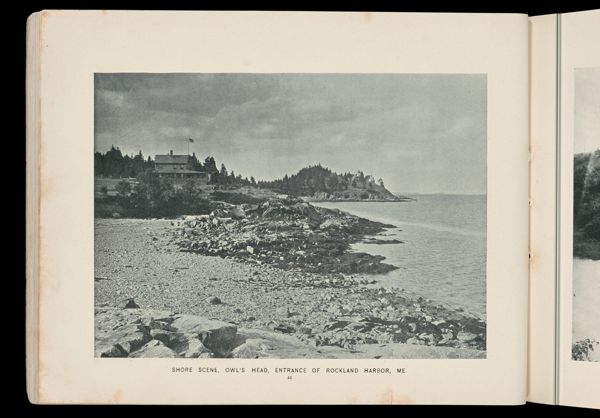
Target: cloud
(587, 109)
(412, 130)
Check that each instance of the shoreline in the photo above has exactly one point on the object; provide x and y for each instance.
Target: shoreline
(287, 233)
(317, 308)
(398, 200)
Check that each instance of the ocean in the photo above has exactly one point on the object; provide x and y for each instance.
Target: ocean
(586, 301)
(443, 257)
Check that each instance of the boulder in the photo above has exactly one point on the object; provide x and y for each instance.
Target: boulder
(251, 348)
(193, 348)
(213, 300)
(217, 336)
(114, 350)
(237, 212)
(128, 303)
(154, 349)
(129, 337)
(169, 338)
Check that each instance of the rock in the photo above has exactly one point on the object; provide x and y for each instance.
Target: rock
(169, 338)
(358, 326)
(429, 338)
(154, 349)
(213, 300)
(217, 336)
(128, 303)
(286, 329)
(129, 337)
(250, 249)
(237, 212)
(415, 341)
(448, 335)
(334, 223)
(305, 330)
(194, 348)
(155, 319)
(283, 311)
(156, 325)
(251, 348)
(473, 326)
(335, 325)
(112, 351)
(466, 336)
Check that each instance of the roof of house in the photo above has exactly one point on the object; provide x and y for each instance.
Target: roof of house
(172, 171)
(171, 159)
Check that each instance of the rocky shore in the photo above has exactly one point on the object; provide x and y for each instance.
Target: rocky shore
(131, 331)
(258, 271)
(287, 233)
(356, 197)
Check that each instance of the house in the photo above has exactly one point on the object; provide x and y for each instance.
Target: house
(176, 167)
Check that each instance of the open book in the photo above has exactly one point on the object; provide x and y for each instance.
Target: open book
(275, 207)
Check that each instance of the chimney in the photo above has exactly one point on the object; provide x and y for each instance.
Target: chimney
(171, 153)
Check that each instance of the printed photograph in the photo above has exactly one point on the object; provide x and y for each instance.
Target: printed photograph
(298, 215)
(586, 216)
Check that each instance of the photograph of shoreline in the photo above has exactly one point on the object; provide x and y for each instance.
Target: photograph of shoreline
(290, 215)
(586, 217)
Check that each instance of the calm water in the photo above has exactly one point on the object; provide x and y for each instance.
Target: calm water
(586, 301)
(444, 250)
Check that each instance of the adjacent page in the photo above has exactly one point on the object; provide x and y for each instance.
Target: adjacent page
(435, 104)
(579, 210)
(543, 277)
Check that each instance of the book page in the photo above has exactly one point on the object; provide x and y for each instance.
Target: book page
(542, 384)
(579, 148)
(211, 272)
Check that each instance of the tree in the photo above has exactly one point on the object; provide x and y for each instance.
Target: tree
(123, 188)
(222, 177)
(193, 163)
(113, 162)
(210, 166)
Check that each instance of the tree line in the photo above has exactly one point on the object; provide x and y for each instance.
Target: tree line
(113, 164)
(316, 178)
(586, 205)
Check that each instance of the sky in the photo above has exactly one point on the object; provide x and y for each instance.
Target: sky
(587, 109)
(423, 133)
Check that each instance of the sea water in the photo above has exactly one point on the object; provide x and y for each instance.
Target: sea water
(586, 300)
(443, 257)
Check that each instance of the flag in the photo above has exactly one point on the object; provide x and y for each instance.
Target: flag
(191, 140)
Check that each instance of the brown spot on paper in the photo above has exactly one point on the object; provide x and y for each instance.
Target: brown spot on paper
(388, 397)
